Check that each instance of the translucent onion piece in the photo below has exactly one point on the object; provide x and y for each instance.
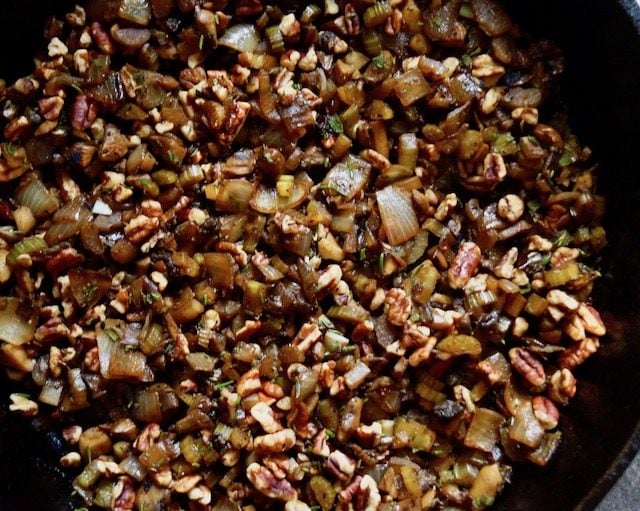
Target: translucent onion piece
(484, 430)
(15, 327)
(267, 99)
(526, 429)
(347, 178)
(68, 221)
(116, 363)
(137, 11)
(51, 393)
(88, 286)
(29, 245)
(266, 200)
(132, 467)
(37, 198)
(242, 38)
(398, 216)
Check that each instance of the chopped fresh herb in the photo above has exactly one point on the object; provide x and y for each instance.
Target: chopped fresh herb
(562, 239)
(483, 501)
(223, 385)
(350, 169)
(326, 163)
(363, 254)
(533, 206)
(330, 433)
(335, 125)
(112, 334)
(381, 263)
(525, 290)
(325, 322)
(11, 149)
(545, 260)
(297, 86)
(378, 62)
(466, 60)
(201, 42)
(333, 188)
(145, 182)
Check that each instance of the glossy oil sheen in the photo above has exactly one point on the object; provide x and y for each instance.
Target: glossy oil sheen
(601, 41)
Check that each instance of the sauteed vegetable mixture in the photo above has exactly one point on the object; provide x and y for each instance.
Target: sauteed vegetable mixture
(273, 255)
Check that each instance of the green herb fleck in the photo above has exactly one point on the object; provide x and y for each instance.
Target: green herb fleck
(562, 239)
(11, 149)
(381, 263)
(466, 60)
(332, 188)
(378, 62)
(172, 157)
(324, 322)
(350, 169)
(363, 254)
(201, 42)
(112, 334)
(545, 260)
(483, 501)
(335, 125)
(326, 163)
(297, 86)
(223, 385)
(533, 206)
(330, 433)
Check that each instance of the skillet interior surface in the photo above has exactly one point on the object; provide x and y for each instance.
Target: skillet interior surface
(601, 40)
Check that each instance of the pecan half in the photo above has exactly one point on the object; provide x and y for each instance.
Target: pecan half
(528, 366)
(464, 265)
(266, 483)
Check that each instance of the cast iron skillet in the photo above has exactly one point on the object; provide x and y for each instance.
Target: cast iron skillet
(601, 39)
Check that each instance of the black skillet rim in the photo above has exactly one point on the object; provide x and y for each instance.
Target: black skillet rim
(632, 447)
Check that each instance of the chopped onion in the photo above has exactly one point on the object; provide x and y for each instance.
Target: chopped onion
(234, 195)
(242, 38)
(29, 245)
(136, 11)
(403, 462)
(147, 406)
(15, 327)
(398, 216)
(51, 393)
(357, 375)
(88, 287)
(116, 363)
(347, 178)
(201, 362)
(484, 430)
(132, 467)
(267, 99)
(37, 198)
(266, 200)
(526, 429)
(491, 17)
(68, 221)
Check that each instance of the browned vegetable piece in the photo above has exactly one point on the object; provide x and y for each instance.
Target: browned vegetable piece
(220, 268)
(93, 443)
